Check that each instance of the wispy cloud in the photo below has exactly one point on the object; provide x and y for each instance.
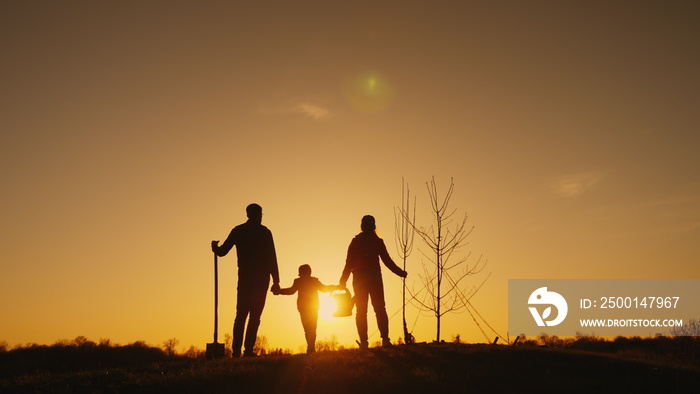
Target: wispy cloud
(576, 184)
(313, 111)
(305, 108)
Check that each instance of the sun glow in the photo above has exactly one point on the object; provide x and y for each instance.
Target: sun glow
(326, 306)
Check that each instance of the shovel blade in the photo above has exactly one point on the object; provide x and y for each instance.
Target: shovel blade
(215, 350)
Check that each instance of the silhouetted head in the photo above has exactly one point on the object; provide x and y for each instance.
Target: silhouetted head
(254, 212)
(367, 223)
(304, 271)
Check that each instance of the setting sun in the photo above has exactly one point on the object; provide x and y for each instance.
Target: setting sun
(327, 307)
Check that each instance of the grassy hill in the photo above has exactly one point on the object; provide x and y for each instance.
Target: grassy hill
(443, 368)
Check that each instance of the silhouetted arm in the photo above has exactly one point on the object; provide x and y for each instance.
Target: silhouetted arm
(348, 265)
(386, 259)
(290, 290)
(287, 291)
(272, 263)
(274, 269)
(325, 288)
(223, 250)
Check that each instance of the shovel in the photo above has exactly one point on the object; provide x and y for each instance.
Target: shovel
(216, 349)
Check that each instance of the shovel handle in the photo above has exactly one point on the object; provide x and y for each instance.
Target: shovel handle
(216, 297)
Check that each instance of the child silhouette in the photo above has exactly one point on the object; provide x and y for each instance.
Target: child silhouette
(307, 302)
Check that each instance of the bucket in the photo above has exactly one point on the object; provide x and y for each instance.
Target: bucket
(344, 303)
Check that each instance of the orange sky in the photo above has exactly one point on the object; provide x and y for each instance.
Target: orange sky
(134, 133)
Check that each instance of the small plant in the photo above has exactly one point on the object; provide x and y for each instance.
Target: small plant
(444, 274)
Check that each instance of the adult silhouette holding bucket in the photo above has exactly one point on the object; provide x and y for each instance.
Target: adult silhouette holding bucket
(257, 261)
(362, 262)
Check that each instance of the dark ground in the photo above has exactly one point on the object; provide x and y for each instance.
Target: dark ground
(443, 368)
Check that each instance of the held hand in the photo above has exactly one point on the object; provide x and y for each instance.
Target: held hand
(275, 289)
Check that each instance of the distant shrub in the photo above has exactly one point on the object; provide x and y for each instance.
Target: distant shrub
(194, 352)
(588, 343)
(689, 328)
(282, 352)
(83, 341)
(76, 355)
(552, 341)
(170, 345)
(260, 347)
(328, 345)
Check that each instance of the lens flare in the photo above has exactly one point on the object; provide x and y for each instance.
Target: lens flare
(369, 92)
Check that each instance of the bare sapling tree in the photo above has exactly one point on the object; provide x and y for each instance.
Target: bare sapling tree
(444, 286)
(405, 234)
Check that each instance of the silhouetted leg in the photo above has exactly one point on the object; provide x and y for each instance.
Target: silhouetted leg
(309, 319)
(376, 292)
(238, 330)
(242, 311)
(361, 309)
(257, 303)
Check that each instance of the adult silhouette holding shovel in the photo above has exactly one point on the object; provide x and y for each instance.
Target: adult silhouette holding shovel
(257, 261)
(363, 263)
